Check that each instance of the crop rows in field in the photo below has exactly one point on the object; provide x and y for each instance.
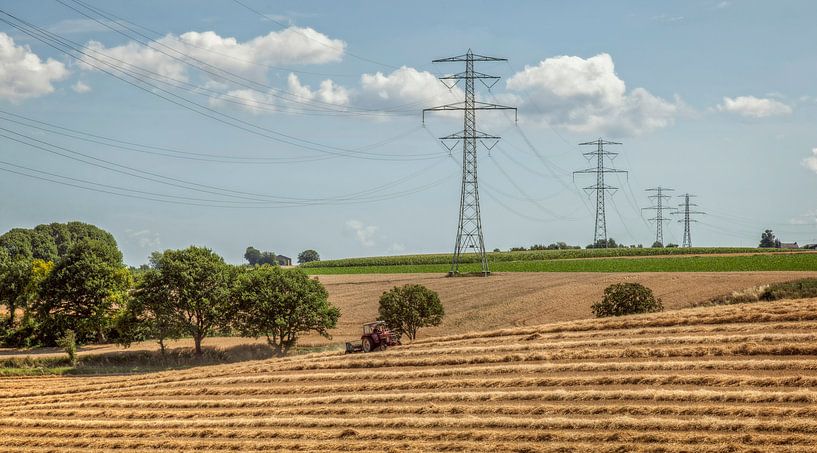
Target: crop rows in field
(532, 255)
(803, 261)
(731, 378)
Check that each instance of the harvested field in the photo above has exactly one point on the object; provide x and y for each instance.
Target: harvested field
(518, 299)
(729, 378)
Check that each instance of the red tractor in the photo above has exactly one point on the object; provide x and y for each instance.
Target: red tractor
(376, 337)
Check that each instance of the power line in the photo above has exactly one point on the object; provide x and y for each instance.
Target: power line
(469, 228)
(243, 196)
(59, 44)
(658, 207)
(600, 187)
(282, 25)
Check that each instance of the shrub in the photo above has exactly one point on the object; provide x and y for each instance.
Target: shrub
(68, 342)
(797, 289)
(626, 299)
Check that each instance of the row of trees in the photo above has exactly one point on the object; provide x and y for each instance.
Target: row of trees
(600, 244)
(70, 278)
(256, 257)
(193, 292)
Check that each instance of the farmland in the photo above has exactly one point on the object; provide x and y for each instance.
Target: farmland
(600, 260)
(730, 378)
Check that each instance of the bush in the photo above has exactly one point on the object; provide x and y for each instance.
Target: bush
(68, 342)
(797, 289)
(626, 299)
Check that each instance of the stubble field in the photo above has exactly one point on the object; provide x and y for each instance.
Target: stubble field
(731, 378)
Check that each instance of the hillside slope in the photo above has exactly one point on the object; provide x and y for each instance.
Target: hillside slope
(733, 378)
(526, 298)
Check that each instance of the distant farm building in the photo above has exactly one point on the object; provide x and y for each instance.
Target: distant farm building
(283, 260)
(789, 245)
(810, 247)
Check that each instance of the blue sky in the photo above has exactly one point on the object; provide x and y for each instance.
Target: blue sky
(327, 150)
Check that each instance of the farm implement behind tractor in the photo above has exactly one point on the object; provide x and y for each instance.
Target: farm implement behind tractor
(376, 337)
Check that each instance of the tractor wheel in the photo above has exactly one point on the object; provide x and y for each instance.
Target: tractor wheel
(382, 347)
(367, 345)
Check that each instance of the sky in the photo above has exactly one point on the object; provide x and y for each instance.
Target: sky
(291, 125)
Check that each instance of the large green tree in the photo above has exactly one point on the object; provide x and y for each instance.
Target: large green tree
(252, 255)
(50, 241)
(280, 304)
(409, 307)
(83, 291)
(15, 281)
(308, 256)
(188, 291)
(767, 240)
(147, 315)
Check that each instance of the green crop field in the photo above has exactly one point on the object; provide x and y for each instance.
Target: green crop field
(715, 263)
(532, 255)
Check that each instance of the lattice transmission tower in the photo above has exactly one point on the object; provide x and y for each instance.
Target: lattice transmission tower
(659, 208)
(687, 213)
(600, 187)
(469, 228)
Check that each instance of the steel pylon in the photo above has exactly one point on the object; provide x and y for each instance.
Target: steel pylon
(469, 227)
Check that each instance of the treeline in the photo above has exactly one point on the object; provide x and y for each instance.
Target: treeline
(69, 281)
(553, 246)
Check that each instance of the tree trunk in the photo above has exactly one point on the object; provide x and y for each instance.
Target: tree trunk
(12, 308)
(162, 346)
(197, 339)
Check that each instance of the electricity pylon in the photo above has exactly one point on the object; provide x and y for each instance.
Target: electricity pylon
(469, 228)
(659, 207)
(687, 219)
(600, 233)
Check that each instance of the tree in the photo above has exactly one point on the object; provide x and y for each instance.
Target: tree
(268, 258)
(657, 245)
(252, 255)
(767, 240)
(280, 304)
(309, 255)
(51, 241)
(602, 244)
(626, 299)
(15, 278)
(83, 291)
(407, 308)
(188, 291)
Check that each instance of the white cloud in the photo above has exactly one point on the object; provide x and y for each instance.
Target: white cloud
(258, 102)
(809, 218)
(23, 74)
(293, 45)
(363, 233)
(723, 4)
(811, 162)
(752, 107)
(134, 54)
(328, 92)
(586, 95)
(145, 239)
(81, 87)
(405, 86)
(396, 248)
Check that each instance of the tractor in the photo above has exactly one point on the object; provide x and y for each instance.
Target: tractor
(376, 337)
